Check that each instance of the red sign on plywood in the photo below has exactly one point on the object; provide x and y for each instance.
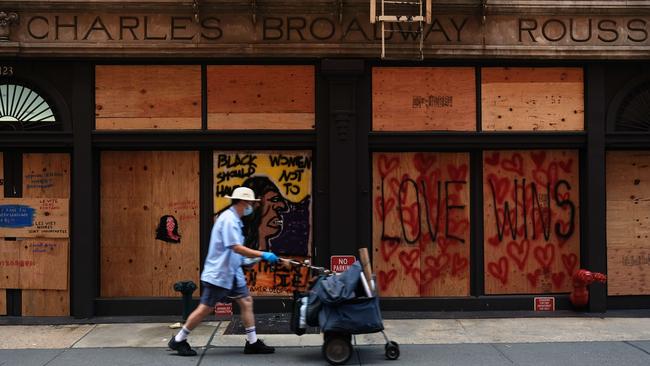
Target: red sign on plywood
(544, 304)
(223, 309)
(339, 263)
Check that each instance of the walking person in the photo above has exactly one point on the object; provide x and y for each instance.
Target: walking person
(223, 277)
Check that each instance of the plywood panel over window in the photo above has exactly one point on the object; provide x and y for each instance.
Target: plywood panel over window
(3, 294)
(149, 222)
(532, 99)
(261, 97)
(531, 220)
(423, 99)
(421, 223)
(47, 176)
(148, 97)
(628, 222)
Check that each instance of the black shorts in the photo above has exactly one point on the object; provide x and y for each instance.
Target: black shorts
(211, 294)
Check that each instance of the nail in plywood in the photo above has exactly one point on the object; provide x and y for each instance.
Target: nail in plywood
(628, 222)
(56, 168)
(531, 220)
(423, 99)
(148, 97)
(141, 193)
(532, 99)
(261, 97)
(421, 224)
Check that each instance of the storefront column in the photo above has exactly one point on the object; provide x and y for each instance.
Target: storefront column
(342, 84)
(83, 253)
(595, 258)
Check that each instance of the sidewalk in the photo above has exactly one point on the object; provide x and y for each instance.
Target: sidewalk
(507, 341)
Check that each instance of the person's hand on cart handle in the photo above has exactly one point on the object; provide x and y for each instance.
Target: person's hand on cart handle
(270, 257)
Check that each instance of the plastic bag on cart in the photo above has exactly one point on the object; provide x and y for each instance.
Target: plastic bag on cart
(339, 288)
(298, 323)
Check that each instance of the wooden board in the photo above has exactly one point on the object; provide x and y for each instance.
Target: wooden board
(423, 99)
(140, 192)
(47, 302)
(34, 264)
(3, 294)
(283, 222)
(148, 97)
(532, 239)
(421, 224)
(532, 99)
(34, 217)
(261, 97)
(628, 222)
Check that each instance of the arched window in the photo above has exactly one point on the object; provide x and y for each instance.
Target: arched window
(23, 109)
(630, 109)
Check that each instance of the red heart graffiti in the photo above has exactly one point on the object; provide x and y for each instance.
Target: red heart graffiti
(569, 261)
(408, 259)
(426, 277)
(443, 243)
(385, 278)
(458, 174)
(430, 183)
(395, 184)
(558, 279)
(532, 278)
(499, 269)
(566, 166)
(538, 158)
(494, 240)
(386, 165)
(411, 218)
(501, 187)
(544, 177)
(458, 264)
(458, 228)
(564, 227)
(516, 164)
(564, 197)
(437, 263)
(383, 207)
(388, 247)
(416, 276)
(545, 255)
(493, 159)
(519, 252)
(423, 162)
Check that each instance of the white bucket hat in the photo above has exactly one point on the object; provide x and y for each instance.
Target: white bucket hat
(243, 193)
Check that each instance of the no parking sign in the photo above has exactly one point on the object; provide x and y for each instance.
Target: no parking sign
(339, 263)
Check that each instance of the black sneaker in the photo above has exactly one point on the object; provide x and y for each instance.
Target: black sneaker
(258, 348)
(183, 348)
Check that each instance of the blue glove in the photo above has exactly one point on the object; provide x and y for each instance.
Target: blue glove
(270, 257)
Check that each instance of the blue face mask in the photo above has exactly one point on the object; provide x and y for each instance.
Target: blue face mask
(248, 210)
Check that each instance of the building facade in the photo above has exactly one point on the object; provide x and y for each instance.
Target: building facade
(483, 151)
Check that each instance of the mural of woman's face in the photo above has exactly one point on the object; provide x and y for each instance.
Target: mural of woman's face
(272, 203)
(170, 224)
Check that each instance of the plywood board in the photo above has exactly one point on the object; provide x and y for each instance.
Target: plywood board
(531, 220)
(628, 222)
(3, 302)
(148, 97)
(423, 99)
(34, 217)
(9, 264)
(421, 224)
(283, 222)
(261, 97)
(46, 302)
(532, 99)
(34, 264)
(3, 294)
(141, 193)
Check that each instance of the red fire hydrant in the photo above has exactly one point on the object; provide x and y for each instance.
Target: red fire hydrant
(581, 279)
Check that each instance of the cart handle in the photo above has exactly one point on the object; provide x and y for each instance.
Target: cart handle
(307, 264)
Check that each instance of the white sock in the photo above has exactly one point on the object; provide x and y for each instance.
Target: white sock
(251, 336)
(182, 334)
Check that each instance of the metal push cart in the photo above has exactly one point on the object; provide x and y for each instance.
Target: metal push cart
(342, 305)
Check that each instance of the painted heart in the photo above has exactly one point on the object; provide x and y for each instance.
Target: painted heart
(458, 264)
(437, 263)
(569, 261)
(385, 278)
(443, 243)
(494, 241)
(386, 165)
(563, 226)
(519, 252)
(566, 165)
(564, 197)
(426, 277)
(423, 162)
(492, 159)
(544, 177)
(383, 207)
(499, 269)
(408, 259)
(388, 247)
(411, 218)
(558, 279)
(516, 164)
(458, 174)
(538, 158)
(532, 278)
(458, 228)
(415, 274)
(501, 187)
(395, 184)
(545, 255)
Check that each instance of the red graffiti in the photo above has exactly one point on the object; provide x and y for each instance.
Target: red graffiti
(458, 264)
(385, 278)
(545, 256)
(394, 185)
(411, 217)
(558, 279)
(388, 247)
(501, 187)
(516, 164)
(494, 240)
(538, 158)
(458, 227)
(437, 263)
(384, 206)
(408, 259)
(415, 275)
(566, 166)
(492, 159)
(423, 162)
(457, 173)
(499, 269)
(386, 165)
(532, 277)
(519, 252)
(569, 261)
(544, 177)
(443, 243)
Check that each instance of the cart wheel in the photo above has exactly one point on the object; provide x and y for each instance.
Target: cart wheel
(392, 350)
(337, 349)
